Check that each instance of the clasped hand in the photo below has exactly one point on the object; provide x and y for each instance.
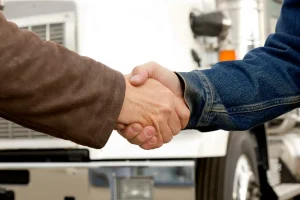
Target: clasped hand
(154, 109)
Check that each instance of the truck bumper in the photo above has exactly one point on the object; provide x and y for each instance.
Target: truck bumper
(105, 180)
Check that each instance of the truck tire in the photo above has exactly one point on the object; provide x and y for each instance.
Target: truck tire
(234, 176)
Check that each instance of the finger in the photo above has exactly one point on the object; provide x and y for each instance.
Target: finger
(120, 126)
(148, 70)
(155, 71)
(151, 144)
(182, 112)
(131, 131)
(155, 142)
(174, 123)
(166, 132)
(146, 135)
(140, 77)
(140, 74)
(159, 143)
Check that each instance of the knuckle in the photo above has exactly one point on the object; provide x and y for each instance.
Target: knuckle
(167, 109)
(125, 134)
(159, 118)
(122, 133)
(176, 133)
(152, 63)
(154, 66)
(177, 130)
(135, 141)
(131, 141)
(136, 68)
(168, 139)
(186, 114)
(128, 135)
(160, 145)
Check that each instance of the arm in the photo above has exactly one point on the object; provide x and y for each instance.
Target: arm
(50, 89)
(238, 95)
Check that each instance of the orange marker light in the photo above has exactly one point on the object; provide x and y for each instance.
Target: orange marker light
(227, 55)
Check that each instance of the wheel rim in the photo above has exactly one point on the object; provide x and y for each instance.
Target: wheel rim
(244, 185)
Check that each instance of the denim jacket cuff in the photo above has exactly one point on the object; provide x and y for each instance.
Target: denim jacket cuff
(198, 94)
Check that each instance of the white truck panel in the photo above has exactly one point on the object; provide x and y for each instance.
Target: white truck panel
(188, 144)
(43, 143)
(123, 34)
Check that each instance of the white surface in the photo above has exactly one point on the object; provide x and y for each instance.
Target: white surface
(98, 164)
(44, 143)
(290, 152)
(188, 144)
(124, 34)
(287, 191)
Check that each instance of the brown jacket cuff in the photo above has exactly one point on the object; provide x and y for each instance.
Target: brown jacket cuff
(113, 110)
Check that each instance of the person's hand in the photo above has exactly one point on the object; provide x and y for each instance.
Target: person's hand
(153, 70)
(154, 107)
(169, 79)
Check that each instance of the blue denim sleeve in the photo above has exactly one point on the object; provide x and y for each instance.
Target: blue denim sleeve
(238, 95)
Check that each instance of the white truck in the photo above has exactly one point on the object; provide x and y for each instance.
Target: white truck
(262, 163)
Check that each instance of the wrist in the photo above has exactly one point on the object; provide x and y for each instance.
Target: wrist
(181, 85)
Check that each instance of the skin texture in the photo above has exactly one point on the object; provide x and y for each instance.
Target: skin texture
(147, 137)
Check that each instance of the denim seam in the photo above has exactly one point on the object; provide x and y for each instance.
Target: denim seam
(185, 93)
(206, 117)
(260, 106)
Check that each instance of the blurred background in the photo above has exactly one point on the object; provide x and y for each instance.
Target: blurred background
(182, 35)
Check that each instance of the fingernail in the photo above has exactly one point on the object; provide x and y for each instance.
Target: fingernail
(134, 78)
(149, 133)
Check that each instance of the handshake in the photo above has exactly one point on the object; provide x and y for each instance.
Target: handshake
(154, 109)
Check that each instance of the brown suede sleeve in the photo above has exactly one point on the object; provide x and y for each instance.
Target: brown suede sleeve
(46, 87)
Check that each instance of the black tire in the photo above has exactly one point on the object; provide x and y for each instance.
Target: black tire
(215, 176)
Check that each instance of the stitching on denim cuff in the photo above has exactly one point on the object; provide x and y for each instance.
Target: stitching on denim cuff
(206, 115)
(259, 106)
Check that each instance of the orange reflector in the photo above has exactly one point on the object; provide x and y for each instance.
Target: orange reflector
(227, 55)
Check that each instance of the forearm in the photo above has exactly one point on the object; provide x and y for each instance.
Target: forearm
(50, 89)
(238, 95)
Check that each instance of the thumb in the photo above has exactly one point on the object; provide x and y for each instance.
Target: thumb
(169, 79)
(141, 73)
(139, 76)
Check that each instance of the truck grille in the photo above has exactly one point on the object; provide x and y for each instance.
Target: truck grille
(10, 130)
(49, 32)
